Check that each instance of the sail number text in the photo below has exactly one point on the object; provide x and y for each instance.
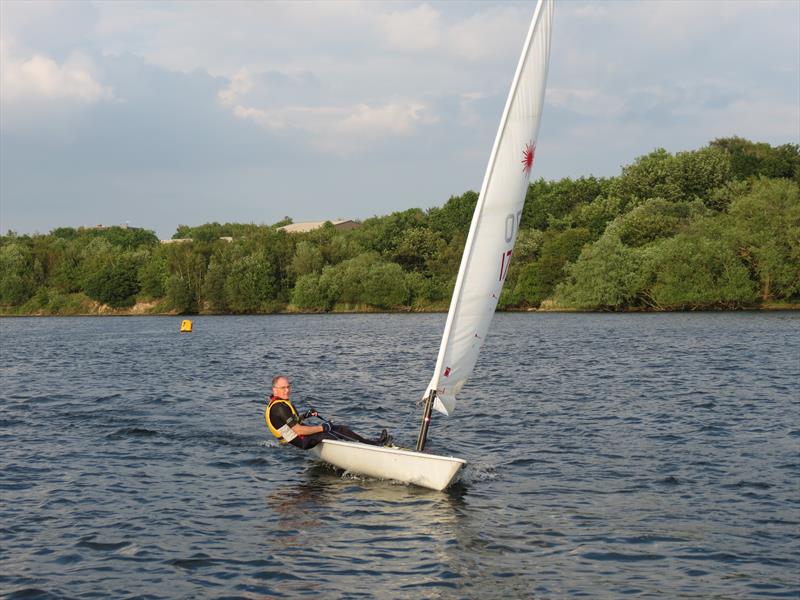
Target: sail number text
(511, 228)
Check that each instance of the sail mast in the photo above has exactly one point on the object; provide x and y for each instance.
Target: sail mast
(426, 421)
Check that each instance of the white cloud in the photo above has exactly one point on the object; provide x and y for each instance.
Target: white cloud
(590, 102)
(755, 119)
(685, 21)
(239, 85)
(337, 129)
(589, 11)
(489, 35)
(417, 29)
(341, 130)
(40, 77)
(665, 22)
(468, 113)
(390, 119)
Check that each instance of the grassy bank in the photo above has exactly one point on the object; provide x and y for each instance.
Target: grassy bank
(81, 305)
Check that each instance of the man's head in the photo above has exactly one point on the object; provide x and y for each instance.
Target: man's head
(281, 387)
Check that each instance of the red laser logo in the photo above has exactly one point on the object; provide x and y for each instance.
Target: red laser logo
(527, 158)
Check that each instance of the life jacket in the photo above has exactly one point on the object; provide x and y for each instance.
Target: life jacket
(285, 433)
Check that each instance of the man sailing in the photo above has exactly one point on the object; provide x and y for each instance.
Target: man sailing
(286, 424)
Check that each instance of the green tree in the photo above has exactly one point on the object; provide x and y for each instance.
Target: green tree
(181, 294)
(276, 249)
(751, 159)
(66, 275)
(416, 248)
(17, 281)
(722, 197)
(334, 245)
(307, 259)
(127, 238)
(283, 222)
(330, 286)
(548, 202)
(608, 275)
(444, 265)
(694, 271)
(345, 282)
(341, 247)
(382, 234)
(308, 294)
(385, 286)
(598, 214)
(650, 176)
(655, 219)
(251, 284)
(534, 283)
(64, 233)
(153, 275)
(696, 174)
(427, 292)
(683, 177)
(116, 281)
(209, 233)
(766, 231)
(455, 216)
(214, 282)
(97, 256)
(186, 270)
(529, 245)
(537, 280)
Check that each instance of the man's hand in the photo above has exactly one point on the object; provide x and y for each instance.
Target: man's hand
(326, 427)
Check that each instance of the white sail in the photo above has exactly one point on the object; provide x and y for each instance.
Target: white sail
(495, 222)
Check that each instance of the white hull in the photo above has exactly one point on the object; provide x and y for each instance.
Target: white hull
(425, 470)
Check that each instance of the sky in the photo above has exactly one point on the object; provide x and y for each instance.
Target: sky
(156, 114)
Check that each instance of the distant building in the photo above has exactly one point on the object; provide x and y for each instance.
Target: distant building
(224, 238)
(342, 225)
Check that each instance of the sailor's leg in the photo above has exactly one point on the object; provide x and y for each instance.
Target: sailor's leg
(349, 435)
(306, 442)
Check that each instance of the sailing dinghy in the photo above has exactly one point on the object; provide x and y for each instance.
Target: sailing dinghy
(484, 266)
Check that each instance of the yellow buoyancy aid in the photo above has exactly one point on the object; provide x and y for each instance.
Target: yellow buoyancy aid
(285, 433)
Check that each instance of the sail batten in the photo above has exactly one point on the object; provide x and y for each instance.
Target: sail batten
(495, 222)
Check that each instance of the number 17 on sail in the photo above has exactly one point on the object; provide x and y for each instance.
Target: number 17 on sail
(505, 261)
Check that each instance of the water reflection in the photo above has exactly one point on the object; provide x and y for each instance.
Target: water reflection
(325, 493)
(298, 508)
(356, 527)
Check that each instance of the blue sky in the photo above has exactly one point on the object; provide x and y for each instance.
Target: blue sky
(166, 113)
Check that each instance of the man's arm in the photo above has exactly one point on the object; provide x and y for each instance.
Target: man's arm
(296, 424)
(288, 425)
(307, 429)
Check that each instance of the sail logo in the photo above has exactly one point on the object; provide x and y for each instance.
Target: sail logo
(527, 158)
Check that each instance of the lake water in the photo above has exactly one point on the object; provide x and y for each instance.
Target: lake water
(640, 455)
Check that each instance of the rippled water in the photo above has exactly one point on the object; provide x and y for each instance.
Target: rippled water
(648, 455)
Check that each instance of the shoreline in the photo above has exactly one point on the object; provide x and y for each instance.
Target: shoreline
(109, 312)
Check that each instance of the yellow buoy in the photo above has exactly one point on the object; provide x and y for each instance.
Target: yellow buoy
(186, 326)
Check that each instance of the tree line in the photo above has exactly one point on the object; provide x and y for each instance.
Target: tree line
(717, 227)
